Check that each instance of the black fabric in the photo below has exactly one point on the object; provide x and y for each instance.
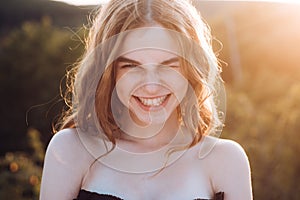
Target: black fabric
(87, 195)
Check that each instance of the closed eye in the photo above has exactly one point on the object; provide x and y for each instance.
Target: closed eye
(175, 65)
(172, 62)
(129, 65)
(125, 63)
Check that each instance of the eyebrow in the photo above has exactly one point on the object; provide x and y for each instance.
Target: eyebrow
(128, 60)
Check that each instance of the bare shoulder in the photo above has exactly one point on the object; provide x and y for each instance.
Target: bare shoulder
(229, 150)
(217, 149)
(66, 145)
(63, 137)
(66, 163)
(65, 141)
(231, 169)
(226, 153)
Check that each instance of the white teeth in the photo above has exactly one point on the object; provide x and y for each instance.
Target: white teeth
(152, 102)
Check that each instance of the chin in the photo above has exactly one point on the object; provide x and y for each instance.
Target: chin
(142, 118)
(149, 119)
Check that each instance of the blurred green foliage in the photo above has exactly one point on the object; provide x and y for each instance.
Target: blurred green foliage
(33, 61)
(263, 111)
(265, 121)
(20, 173)
(14, 12)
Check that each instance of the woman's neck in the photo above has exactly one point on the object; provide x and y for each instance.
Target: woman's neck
(141, 139)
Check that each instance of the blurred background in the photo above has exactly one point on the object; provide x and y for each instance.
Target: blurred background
(40, 39)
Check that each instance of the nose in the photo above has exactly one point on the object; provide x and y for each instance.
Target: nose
(151, 88)
(151, 80)
(151, 73)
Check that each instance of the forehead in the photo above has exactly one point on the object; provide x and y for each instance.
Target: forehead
(154, 38)
(151, 56)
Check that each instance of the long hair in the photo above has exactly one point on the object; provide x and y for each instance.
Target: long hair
(91, 93)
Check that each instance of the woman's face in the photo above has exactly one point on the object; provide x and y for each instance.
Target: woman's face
(149, 79)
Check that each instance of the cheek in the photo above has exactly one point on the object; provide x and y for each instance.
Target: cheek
(125, 85)
(177, 83)
(181, 89)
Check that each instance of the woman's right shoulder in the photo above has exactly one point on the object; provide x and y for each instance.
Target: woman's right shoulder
(64, 135)
(66, 144)
(66, 163)
(64, 139)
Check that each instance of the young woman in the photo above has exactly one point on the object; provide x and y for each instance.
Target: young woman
(143, 116)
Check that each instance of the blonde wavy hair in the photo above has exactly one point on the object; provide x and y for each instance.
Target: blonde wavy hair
(89, 97)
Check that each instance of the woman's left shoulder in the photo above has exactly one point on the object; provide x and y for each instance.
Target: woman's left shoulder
(229, 148)
(218, 149)
(229, 169)
(225, 152)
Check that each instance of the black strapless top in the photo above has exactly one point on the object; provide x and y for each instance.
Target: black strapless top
(87, 195)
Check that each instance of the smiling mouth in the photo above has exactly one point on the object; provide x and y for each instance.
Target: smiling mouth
(152, 102)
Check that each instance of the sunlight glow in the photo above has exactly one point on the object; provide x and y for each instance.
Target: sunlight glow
(97, 2)
(276, 1)
(83, 2)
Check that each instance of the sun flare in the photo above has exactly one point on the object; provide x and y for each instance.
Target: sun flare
(83, 2)
(96, 2)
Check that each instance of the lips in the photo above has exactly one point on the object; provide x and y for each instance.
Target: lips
(152, 102)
